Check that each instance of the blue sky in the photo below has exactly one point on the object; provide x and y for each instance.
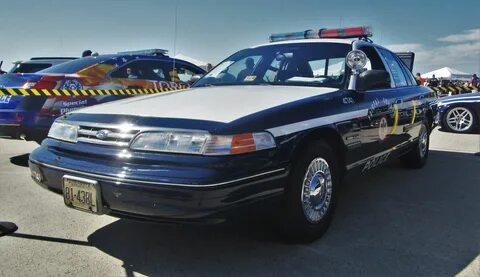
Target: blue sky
(442, 33)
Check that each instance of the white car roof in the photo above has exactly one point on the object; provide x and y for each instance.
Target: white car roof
(320, 40)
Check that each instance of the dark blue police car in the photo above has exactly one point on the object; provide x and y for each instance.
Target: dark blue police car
(283, 120)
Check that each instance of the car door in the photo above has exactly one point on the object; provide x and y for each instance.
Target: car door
(419, 97)
(410, 103)
(376, 133)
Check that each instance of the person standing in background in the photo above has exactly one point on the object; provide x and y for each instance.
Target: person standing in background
(433, 82)
(421, 81)
(209, 67)
(475, 80)
(86, 53)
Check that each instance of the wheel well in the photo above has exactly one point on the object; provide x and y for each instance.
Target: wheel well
(332, 137)
(429, 116)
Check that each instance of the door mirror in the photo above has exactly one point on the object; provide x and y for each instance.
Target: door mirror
(373, 79)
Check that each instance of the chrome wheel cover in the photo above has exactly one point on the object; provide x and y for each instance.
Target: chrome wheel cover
(316, 190)
(423, 141)
(459, 119)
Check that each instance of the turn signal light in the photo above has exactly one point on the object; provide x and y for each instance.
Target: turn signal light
(242, 144)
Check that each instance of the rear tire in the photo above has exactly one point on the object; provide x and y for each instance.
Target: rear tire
(417, 157)
(310, 193)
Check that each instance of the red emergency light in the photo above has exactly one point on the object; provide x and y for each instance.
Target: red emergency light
(350, 32)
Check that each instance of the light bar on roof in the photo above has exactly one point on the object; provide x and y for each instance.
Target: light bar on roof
(350, 32)
(147, 52)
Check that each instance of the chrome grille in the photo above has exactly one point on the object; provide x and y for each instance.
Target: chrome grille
(106, 136)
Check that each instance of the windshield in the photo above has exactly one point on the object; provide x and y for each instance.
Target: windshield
(29, 67)
(75, 65)
(310, 64)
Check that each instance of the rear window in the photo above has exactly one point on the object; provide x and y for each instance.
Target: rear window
(30, 67)
(75, 65)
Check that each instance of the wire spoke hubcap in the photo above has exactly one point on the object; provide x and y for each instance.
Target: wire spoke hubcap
(317, 190)
(459, 119)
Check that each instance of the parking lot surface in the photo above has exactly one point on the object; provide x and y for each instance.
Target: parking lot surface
(392, 221)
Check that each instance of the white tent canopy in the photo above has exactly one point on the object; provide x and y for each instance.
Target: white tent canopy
(448, 73)
(196, 62)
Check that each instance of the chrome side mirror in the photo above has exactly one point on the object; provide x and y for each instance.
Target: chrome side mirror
(356, 60)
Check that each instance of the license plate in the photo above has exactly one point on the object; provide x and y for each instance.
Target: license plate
(80, 193)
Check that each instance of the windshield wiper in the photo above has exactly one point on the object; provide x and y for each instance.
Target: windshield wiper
(204, 85)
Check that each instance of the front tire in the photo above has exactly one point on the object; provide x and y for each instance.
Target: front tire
(460, 120)
(311, 193)
(417, 157)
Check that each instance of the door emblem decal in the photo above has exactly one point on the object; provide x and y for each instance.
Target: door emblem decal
(382, 128)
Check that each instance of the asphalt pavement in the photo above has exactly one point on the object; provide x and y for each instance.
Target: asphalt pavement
(390, 222)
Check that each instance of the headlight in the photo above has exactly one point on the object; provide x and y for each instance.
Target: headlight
(178, 142)
(63, 131)
(202, 143)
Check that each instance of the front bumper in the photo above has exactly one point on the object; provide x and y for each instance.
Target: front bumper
(11, 130)
(164, 199)
(16, 131)
(20, 124)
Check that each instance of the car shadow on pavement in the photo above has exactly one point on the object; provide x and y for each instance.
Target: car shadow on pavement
(474, 131)
(20, 160)
(391, 221)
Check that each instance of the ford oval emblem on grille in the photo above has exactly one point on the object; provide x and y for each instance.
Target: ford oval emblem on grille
(102, 134)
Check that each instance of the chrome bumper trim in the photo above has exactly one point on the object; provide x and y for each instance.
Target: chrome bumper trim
(126, 180)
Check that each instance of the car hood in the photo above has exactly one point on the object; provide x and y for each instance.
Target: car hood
(221, 104)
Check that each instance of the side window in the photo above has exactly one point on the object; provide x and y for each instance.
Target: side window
(272, 71)
(326, 70)
(318, 68)
(410, 78)
(336, 66)
(183, 73)
(142, 69)
(395, 69)
(374, 62)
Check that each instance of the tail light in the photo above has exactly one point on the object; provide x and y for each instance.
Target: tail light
(46, 82)
(19, 117)
(49, 82)
(29, 84)
(47, 112)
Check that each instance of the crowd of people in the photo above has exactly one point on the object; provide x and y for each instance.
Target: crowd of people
(436, 82)
(88, 53)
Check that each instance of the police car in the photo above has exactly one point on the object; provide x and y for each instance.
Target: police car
(285, 120)
(29, 118)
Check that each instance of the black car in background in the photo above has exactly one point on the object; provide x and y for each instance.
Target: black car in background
(38, 63)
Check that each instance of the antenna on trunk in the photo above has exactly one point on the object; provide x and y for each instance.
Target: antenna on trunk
(175, 35)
